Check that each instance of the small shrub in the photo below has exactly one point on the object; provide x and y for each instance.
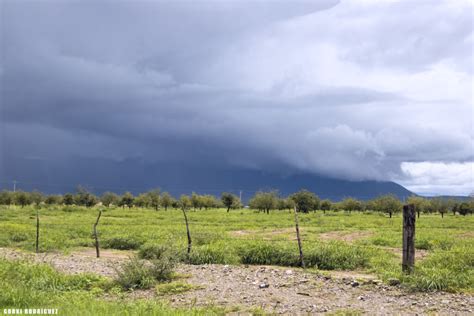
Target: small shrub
(140, 274)
(135, 274)
(19, 237)
(122, 243)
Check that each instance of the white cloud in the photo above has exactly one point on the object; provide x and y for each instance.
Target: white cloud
(431, 178)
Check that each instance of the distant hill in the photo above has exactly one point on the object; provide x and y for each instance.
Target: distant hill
(100, 175)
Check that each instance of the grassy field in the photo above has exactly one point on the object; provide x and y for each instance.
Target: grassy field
(369, 242)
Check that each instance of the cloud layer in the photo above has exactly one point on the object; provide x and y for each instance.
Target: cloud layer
(354, 90)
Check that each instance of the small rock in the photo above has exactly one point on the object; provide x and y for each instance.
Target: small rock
(361, 298)
(288, 272)
(393, 281)
(263, 285)
(354, 283)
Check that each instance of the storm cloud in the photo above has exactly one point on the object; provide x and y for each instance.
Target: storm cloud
(352, 89)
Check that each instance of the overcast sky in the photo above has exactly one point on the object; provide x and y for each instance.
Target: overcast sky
(349, 89)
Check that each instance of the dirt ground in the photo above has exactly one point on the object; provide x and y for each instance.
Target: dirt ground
(275, 289)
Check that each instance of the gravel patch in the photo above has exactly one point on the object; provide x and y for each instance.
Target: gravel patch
(274, 289)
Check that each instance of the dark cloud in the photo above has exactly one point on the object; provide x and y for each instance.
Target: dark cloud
(343, 89)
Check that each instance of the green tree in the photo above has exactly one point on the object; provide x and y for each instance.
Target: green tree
(264, 201)
(21, 198)
(388, 204)
(36, 197)
(440, 205)
(351, 204)
(6, 197)
(126, 200)
(84, 197)
(325, 205)
(166, 200)
(109, 198)
(154, 198)
(196, 200)
(209, 201)
(142, 200)
(421, 204)
(229, 200)
(466, 208)
(68, 199)
(305, 201)
(184, 202)
(53, 199)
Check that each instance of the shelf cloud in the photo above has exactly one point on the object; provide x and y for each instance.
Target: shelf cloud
(353, 90)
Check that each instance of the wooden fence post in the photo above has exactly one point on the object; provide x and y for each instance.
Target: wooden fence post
(409, 217)
(96, 237)
(187, 231)
(299, 239)
(37, 231)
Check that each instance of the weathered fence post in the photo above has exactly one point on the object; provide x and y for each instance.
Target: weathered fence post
(187, 231)
(96, 237)
(409, 217)
(37, 231)
(299, 239)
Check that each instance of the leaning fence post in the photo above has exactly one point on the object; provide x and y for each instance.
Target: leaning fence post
(187, 231)
(408, 260)
(37, 231)
(96, 237)
(299, 239)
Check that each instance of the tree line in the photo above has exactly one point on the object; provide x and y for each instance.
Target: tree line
(264, 201)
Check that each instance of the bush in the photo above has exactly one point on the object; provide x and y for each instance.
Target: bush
(140, 274)
(215, 253)
(122, 243)
(18, 237)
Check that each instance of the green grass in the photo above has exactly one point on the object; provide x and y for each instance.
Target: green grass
(27, 285)
(248, 237)
(174, 288)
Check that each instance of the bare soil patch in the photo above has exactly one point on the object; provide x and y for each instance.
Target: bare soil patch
(275, 289)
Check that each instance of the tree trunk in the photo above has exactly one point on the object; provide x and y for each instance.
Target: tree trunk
(390, 213)
(96, 237)
(187, 232)
(442, 215)
(228, 209)
(418, 214)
